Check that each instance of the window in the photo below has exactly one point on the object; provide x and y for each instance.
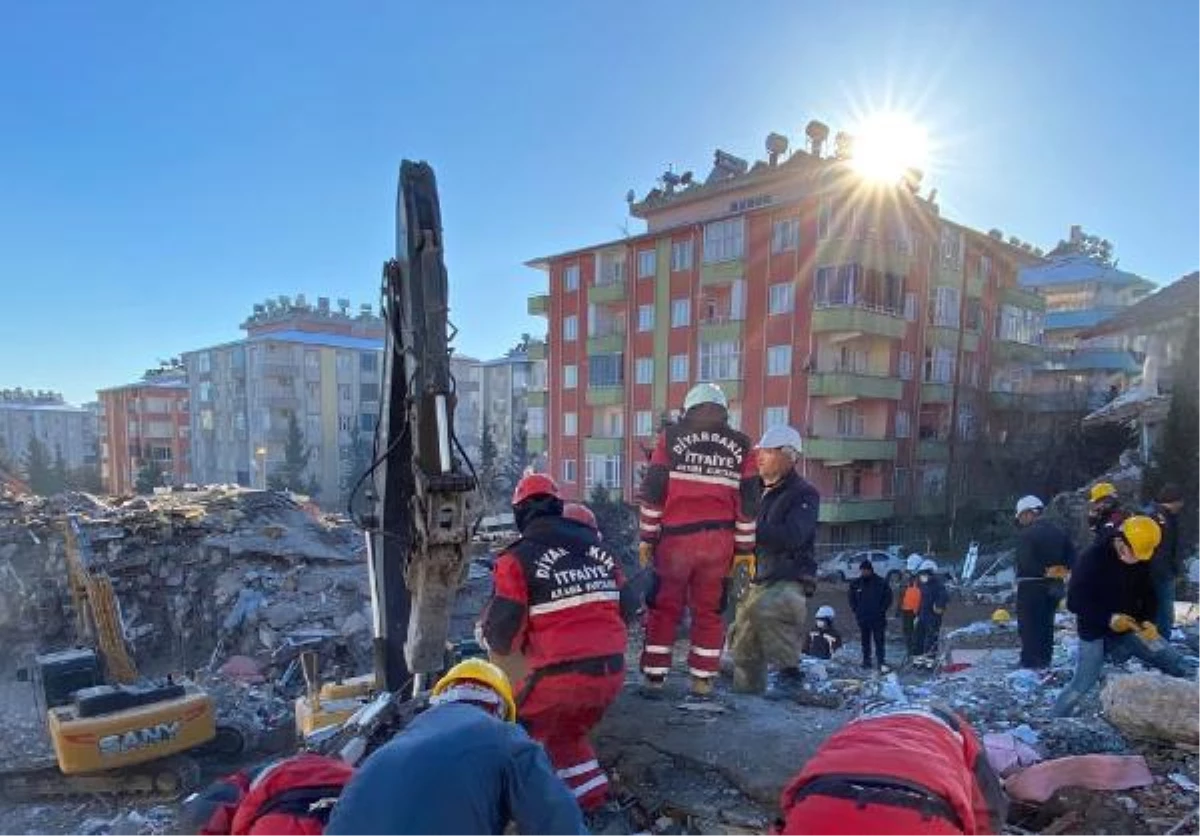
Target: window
(724, 240)
(342, 363)
(974, 315)
(345, 393)
(645, 317)
(779, 360)
(781, 298)
(906, 365)
(643, 423)
(205, 391)
(612, 270)
(204, 362)
(608, 424)
(985, 268)
(570, 423)
(646, 264)
(368, 362)
(838, 285)
(785, 235)
(847, 482)
(570, 376)
(568, 470)
(902, 238)
(824, 216)
(643, 370)
(939, 365)
(368, 391)
(720, 361)
(910, 307)
(901, 478)
(1018, 325)
(602, 471)
(681, 256)
(681, 312)
(851, 360)
(903, 425)
(535, 421)
(571, 328)
(851, 423)
(606, 369)
(679, 368)
(366, 422)
(774, 416)
(570, 278)
(944, 313)
(345, 423)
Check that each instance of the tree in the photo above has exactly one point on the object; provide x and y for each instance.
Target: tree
(513, 469)
(85, 478)
(149, 476)
(59, 470)
(359, 461)
(1176, 453)
(39, 470)
(617, 523)
(488, 471)
(290, 476)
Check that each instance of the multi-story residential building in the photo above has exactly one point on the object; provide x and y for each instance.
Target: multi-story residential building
(506, 395)
(1081, 292)
(146, 420)
(320, 366)
(65, 430)
(854, 312)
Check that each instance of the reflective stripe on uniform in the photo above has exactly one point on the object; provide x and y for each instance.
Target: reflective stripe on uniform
(651, 512)
(707, 480)
(655, 671)
(651, 527)
(699, 674)
(595, 783)
(579, 769)
(747, 526)
(744, 538)
(574, 601)
(706, 653)
(656, 648)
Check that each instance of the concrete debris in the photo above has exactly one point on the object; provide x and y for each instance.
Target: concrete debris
(1183, 782)
(1154, 706)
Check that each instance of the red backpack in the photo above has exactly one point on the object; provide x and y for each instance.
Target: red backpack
(291, 796)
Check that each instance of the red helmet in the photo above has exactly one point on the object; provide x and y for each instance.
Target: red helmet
(535, 484)
(580, 513)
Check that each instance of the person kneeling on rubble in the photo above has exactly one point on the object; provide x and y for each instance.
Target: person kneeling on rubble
(1112, 596)
(769, 627)
(462, 766)
(561, 603)
(896, 769)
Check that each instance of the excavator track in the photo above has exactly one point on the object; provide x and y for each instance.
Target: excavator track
(166, 779)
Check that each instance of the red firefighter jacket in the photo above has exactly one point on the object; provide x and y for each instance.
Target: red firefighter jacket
(702, 477)
(918, 760)
(558, 596)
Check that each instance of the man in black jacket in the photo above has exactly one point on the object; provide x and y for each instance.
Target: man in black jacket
(1167, 562)
(870, 597)
(1044, 557)
(770, 623)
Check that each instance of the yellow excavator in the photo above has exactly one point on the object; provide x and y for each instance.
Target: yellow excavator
(112, 731)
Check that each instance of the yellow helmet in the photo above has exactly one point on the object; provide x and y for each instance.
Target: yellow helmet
(1001, 616)
(1100, 490)
(468, 678)
(1143, 536)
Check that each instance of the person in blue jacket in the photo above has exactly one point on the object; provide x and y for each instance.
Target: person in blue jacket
(463, 766)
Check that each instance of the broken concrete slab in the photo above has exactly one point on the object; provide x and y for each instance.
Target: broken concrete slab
(1153, 705)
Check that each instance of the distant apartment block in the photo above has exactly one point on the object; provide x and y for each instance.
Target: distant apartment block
(66, 430)
(854, 312)
(145, 421)
(507, 395)
(322, 366)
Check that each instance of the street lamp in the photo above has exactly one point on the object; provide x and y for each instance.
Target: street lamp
(260, 455)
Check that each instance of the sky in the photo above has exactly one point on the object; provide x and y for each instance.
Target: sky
(165, 166)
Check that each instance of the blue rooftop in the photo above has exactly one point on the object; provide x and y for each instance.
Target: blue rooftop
(1104, 359)
(1078, 269)
(1077, 319)
(314, 338)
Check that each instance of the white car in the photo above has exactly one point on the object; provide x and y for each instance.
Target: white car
(844, 565)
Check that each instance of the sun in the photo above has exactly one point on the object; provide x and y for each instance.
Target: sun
(887, 144)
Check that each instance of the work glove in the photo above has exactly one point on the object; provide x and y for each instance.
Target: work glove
(1058, 572)
(645, 554)
(1148, 632)
(748, 560)
(1121, 623)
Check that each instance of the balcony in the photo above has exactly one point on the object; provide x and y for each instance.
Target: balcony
(846, 385)
(610, 291)
(860, 320)
(872, 254)
(606, 341)
(1022, 299)
(535, 397)
(280, 400)
(853, 509)
(933, 451)
(605, 395)
(936, 393)
(539, 305)
(722, 272)
(279, 370)
(850, 449)
(721, 329)
(948, 274)
(1019, 353)
(599, 446)
(975, 286)
(948, 338)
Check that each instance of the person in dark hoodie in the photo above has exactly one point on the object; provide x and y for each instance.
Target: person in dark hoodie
(870, 598)
(1112, 597)
(1044, 557)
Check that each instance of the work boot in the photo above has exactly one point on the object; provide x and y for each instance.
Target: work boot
(652, 687)
(702, 687)
(788, 685)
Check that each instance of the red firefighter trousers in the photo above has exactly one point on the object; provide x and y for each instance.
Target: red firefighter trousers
(691, 570)
(559, 711)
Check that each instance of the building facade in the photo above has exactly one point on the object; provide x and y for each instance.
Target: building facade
(143, 421)
(320, 366)
(63, 429)
(506, 395)
(855, 313)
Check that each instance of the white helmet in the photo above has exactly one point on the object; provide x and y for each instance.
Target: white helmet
(1028, 503)
(826, 612)
(705, 393)
(927, 566)
(779, 437)
(914, 562)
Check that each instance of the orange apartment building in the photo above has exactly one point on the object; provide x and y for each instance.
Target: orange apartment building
(144, 420)
(853, 312)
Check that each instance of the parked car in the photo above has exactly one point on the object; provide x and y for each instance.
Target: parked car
(495, 529)
(844, 565)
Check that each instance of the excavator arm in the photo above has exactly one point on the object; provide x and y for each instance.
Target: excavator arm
(97, 610)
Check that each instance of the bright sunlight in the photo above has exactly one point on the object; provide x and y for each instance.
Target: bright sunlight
(887, 144)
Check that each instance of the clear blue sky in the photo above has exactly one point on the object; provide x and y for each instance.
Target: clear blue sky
(164, 166)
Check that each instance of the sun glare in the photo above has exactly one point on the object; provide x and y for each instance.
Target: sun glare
(887, 144)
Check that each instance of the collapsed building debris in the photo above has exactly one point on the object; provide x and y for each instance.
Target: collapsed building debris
(1153, 706)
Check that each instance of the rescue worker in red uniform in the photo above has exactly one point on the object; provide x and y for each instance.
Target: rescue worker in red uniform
(558, 602)
(897, 769)
(698, 507)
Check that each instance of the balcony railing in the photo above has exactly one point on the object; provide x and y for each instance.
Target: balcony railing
(832, 316)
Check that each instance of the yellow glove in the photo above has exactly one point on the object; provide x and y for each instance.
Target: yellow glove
(1058, 572)
(1121, 623)
(746, 560)
(645, 554)
(1148, 632)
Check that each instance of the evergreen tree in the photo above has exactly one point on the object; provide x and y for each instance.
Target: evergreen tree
(514, 468)
(290, 475)
(617, 523)
(85, 478)
(149, 476)
(488, 470)
(39, 470)
(59, 470)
